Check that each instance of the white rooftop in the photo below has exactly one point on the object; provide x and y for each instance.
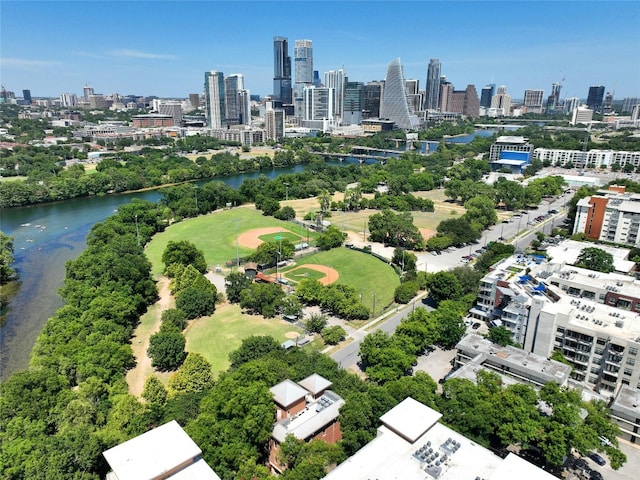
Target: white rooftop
(510, 139)
(315, 383)
(391, 457)
(317, 415)
(156, 453)
(568, 251)
(410, 419)
(287, 392)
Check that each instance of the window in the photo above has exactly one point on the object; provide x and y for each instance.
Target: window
(633, 351)
(631, 361)
(593, 379)
(601, 341)
(628, 371)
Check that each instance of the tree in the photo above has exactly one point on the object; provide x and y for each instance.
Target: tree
(594, 258)
(406, 291)
(285, 213)
(166, 349)
(316, 323)
(500, 335)
(154, 391)
(184, 252)
(252, 348)
(236, 282)
(175, 318)
(195, 375)
(332, 237)
(324, 199)
(196, 302)
(262, 299)
(333, 335)
(443, 286)
(6, 258)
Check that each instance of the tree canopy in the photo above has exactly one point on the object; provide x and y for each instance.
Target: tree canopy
(594, 258)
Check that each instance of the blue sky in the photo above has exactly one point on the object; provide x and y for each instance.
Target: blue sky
(163, 48)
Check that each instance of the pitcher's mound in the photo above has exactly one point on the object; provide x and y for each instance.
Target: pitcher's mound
(291, 335)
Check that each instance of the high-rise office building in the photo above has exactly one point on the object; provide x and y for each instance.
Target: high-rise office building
(533, 101)
(414, 96)
(471, 107)
(68, 100)
(173, 108)
(26, 95)
(501, 101)
(432, 89)
(303, 63)
(214, 98)
(353, 103)
(336, 79)
(244, 107)
(395, 106)
(486, 95)
(571, 103)
(595, 98)
(281, 70)
(371, 99)
(233, 84)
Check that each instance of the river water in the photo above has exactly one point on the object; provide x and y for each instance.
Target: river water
(46, 236)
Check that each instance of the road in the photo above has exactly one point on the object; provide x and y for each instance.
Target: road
(517, 232)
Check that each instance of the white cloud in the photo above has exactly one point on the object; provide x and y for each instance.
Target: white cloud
(27, 63)
(138, 54)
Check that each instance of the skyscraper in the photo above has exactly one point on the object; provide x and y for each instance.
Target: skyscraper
(353, 103)
(303, 61)
(432, 100)
(446, 95)
(336, 79)
(595, 97)
(533, 101)
(471, 106)
(87, 91)
(394, 98)
(607, 106)
(233, 85)
(372, 98)
(274, 123)
(318, 103)
(501, 101)
(486, 95)
(214, 98)
(281, 70)
(553, 102)
(26, 95)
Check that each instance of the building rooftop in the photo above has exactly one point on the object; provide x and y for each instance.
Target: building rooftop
(519, 363)
(438, 453)
(627, 402)
(315, 383)
(313, 418)
(568, 251)
(156, 453)
(511, 139)
(287, 393)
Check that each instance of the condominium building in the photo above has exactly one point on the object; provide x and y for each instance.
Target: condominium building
(501, 102)
(353, 103)
(581, 115)
(233, 85)
(281, 70)
(412, 444)
(243, 134)
(303, 63)
(274, 124)
(486, 95)
(371, 99)
(336, 80)
(592, 318)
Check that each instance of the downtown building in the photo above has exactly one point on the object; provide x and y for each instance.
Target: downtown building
(590, 159)
(534, 101)
(395, 103)
(595, 98)
(432, 89)
(281, 70)
(214, 99)
(303, 64)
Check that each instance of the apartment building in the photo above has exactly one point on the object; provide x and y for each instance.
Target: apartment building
(590, 159)
(611, 215)
(592, 318)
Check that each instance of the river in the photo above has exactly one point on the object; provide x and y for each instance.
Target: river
(46, 236)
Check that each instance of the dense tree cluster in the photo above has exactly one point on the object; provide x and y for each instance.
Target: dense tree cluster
(594, 258)
(6, 258)
(340, 300)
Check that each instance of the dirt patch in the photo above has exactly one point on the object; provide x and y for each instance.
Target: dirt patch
(330, 274)
(291, 334)
(427, 233)
(140, 342)
(250, 238)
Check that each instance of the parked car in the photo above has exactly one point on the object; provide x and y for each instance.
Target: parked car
(595, 475)
(475, 326)
(597, 458)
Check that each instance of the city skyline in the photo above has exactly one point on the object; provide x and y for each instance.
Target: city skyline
(164, 48)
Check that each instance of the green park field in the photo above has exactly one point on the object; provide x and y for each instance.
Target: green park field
(215, 337)
(216, 235)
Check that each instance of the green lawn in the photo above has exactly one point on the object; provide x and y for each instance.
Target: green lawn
(362, 271)
(296, 274)
(215, 337)
(276, 237)
(215, 234)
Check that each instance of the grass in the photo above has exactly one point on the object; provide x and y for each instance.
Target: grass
(215, 234)
(360, 270)
(296, 274)
(275, 237)
(215, 337)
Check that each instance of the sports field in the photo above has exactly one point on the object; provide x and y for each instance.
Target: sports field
(215, 337)
(216, 234)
